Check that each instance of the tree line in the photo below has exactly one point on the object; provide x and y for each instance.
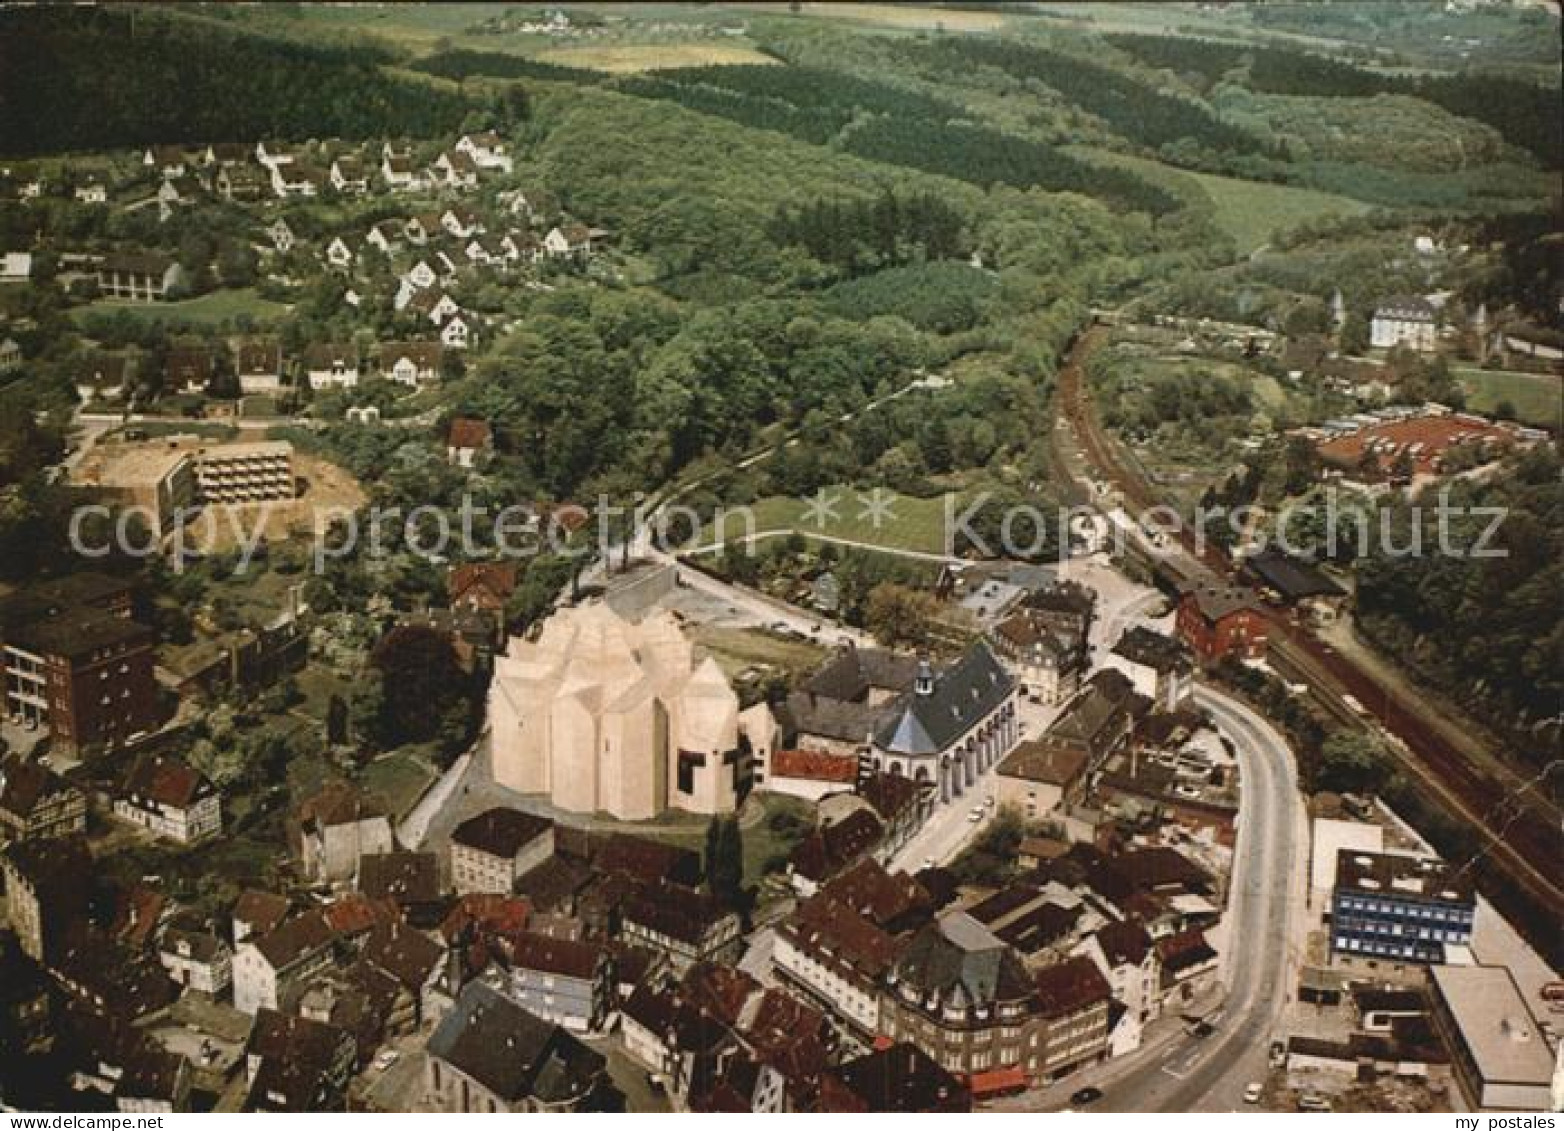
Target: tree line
(75, 78)
(858, 235)
(1525, 114)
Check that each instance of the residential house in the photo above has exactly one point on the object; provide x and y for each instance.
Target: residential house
(468, 441)
(411, 363)
(1159, 667)
(386, 236)
(457, 332)
(1189, 967)
(685, 925)
(1124, 954)
(139, 276)
(1073, 1004)
(832, 848)
(239, 183)
(165, 160)
(269, 968)
(46, 885)
(568, 241)
(258, 913)
(197, 960)
(226, 154)
(454, 170)
(414, 961)
(170, 798)
(16, 266)
(349, 176)
(564, 981)
(297, 1064)
(420, 229)
(897, 1079)
(490, 851)
(331, 365)
(463, 223)
(258, 363)
(487, 151)
(282, 235)
(336, 827)
(298, 179)
(1217, 620)
(481, 586)
(93, 192)
(189, 367)
(1047, 665)
(522, 247)
(398, 171)
(1403, 320)
(340, 253)
(1040, 776)
(409, 880)
(36, 803)
(490, 1055)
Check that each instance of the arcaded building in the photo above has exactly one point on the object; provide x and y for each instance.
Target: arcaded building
(605, 715)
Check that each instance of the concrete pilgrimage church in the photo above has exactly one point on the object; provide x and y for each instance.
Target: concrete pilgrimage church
(606, 715)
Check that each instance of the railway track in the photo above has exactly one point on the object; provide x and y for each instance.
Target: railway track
(1523, 843)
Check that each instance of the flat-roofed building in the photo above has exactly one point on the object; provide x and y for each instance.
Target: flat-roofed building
(1399, 907)
(1497, 1051)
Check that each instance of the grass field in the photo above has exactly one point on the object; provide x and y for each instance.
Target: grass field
(736, 649)
(631, 58)
(909, 523)
(399, 778)
(1538, 398)
(208, 309)
(1249, 211)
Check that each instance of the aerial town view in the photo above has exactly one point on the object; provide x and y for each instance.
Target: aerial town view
(782, 557)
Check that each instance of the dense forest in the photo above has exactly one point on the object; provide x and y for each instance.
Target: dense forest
(1132, 108)
(461, 65)
(865, 235)
(987, 157)
(74, 78)
(1489, 632)
(1526, 114)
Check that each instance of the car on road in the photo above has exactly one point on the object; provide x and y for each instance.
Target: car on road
(1313, 1101)
(1085, 1097)
(1200, 1030)
(1278, 1054)
(976, 814)
(386, 1059)
(1252, 1094)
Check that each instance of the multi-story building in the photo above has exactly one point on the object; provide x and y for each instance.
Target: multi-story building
(1497, 1051)
(197, 959)
(560, 980)
(245, 473)
(1403, 320)
(170, 798)
(84, 674)
(1072, 1002)
(1218, 620)
(1158, 666)
(961, 995)
(46, 886)
(1403, 908)
(36, 802)
(685, 925)
(265, 969)
(837, 959)
(490, 851)
(140, 277)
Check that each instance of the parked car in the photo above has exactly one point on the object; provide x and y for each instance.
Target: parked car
(1313, 1101)
(1085, 1097)
(1252, 1094)
(976, 815)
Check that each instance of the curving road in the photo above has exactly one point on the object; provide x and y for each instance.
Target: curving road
(1264, 917)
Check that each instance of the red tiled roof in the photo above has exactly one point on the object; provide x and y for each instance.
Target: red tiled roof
(814, 765)
(469, 433)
